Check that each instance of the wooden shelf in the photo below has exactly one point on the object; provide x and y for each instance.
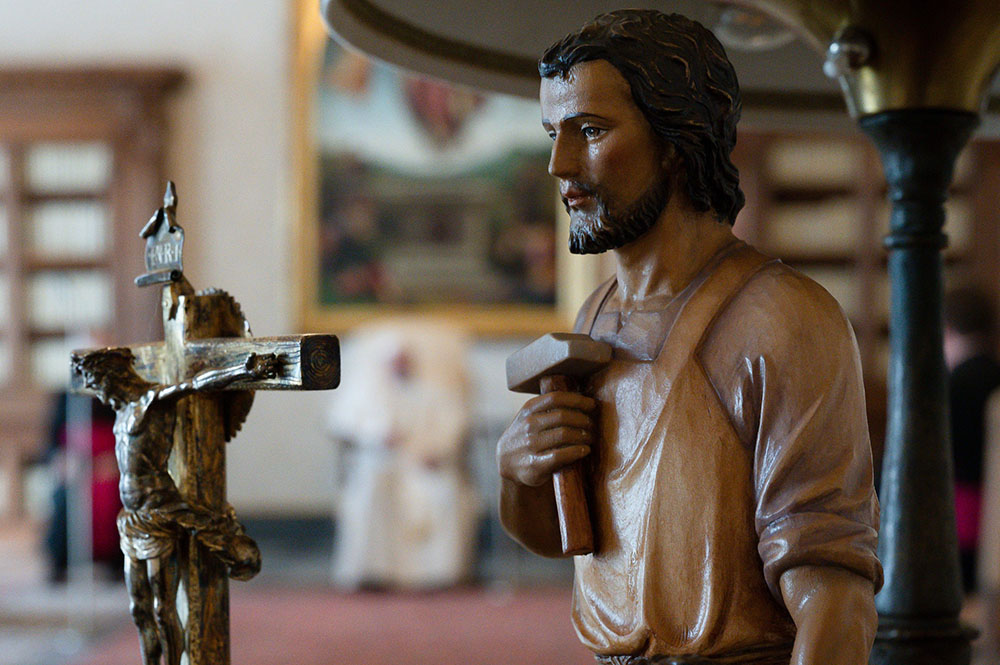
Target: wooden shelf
(950, 258)
(38, 263)
(35, 334)
(818, 259)
(33, 197)
(789, 194)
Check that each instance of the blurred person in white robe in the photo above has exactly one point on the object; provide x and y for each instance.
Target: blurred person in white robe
(407, 511)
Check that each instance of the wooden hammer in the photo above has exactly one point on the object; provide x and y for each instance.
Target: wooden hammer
(556, 362)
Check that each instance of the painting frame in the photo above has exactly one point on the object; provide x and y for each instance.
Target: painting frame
(576, 276)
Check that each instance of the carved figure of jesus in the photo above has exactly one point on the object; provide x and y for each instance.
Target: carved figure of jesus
(725, 445)
(154, 517)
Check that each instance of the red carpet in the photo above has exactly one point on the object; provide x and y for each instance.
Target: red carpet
(461, 627)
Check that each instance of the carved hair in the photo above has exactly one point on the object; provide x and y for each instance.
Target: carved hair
(113, 363)
(682, 82)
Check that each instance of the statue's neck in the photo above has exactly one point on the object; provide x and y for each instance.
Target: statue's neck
(657, 266)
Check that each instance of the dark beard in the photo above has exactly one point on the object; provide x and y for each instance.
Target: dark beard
(610, 230)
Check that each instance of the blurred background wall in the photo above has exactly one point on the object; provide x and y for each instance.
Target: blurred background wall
(229, 152)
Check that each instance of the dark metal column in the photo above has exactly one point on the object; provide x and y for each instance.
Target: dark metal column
(920, 602)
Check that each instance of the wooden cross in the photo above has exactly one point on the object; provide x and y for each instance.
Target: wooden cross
(205, 337)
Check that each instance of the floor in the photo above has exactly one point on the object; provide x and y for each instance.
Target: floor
(290, 614)
(317, 627)
(42, 624)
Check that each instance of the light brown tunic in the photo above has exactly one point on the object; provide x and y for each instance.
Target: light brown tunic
(733, 446)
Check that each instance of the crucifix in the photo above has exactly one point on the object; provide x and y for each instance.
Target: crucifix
(177, 403)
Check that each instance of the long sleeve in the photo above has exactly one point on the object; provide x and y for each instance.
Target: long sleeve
(796, 396)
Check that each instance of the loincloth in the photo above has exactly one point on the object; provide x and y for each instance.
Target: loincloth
(151, 533)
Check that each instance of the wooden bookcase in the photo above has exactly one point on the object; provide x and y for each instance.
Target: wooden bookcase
(818, 202)
(81, 167)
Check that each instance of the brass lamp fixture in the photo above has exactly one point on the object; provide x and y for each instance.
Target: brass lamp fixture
(900, 54)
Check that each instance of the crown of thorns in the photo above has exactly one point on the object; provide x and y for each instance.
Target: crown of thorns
(105, 360)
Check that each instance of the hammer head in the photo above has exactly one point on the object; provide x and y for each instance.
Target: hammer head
(565, 354)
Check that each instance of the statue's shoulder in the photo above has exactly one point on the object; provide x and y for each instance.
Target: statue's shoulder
(790, 289)
(136, 413)
(784, 330)
(784, 305)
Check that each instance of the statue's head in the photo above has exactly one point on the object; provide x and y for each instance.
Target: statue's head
(680, 80)
(109, 373)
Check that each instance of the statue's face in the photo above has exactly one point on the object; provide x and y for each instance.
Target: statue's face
(105, 386)
(611, 166)
(99, 384)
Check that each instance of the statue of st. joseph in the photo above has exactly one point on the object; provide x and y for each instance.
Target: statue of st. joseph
(726, 445)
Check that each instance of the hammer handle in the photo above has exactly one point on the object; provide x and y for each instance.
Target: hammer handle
(571, 501)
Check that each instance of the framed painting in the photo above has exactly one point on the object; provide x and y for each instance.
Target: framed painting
(418, 197)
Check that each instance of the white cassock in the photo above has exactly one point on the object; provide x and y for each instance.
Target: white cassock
(408, 513)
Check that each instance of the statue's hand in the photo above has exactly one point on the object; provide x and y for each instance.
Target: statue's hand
(264, 366)
(551, 431)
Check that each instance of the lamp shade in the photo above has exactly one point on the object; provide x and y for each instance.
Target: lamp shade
(495, 46)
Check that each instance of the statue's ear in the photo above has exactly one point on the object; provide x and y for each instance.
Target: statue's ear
(674, 166)
(670, 156)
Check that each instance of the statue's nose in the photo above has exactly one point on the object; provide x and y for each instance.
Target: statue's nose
(563, 162)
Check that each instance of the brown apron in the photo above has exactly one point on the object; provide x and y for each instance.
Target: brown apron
(676, 571)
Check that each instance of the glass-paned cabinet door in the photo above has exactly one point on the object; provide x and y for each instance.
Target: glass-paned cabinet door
(4, 169)
(68, 230)
(50, 365)
(66, 167)
(63, 306)
(813, 163)
(73, 301)
(67, 213)
(4, 227)
(4, 328)
(5, 193)
(66, 226)
(4, 302)
(4, 360)
(825, 226)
